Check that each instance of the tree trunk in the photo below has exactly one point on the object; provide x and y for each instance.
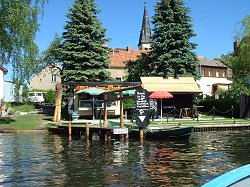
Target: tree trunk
(57, 113)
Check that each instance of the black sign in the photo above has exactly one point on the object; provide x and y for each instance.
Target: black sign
(142, 113)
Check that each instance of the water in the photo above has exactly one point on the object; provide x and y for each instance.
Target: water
(43, 159)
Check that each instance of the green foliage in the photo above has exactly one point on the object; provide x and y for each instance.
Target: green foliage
(141, 67)
(223, 106)
(239, 60)
(235, 91)
(17, 38)
(83, 53)
(52, 54)
(50, 97)
(129, 103)
(25, 107)
(171, 48)
(25, 91)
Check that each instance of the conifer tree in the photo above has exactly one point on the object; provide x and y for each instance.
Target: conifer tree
(171, 48)
(83, 53)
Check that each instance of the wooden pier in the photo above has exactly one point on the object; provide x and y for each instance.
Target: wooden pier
(107, 133)
(84, 129)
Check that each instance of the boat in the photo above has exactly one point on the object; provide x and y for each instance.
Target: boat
(174, 132)
(234, 178)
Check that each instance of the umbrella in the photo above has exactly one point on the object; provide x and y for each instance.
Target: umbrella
(93, 92)
(161, 95)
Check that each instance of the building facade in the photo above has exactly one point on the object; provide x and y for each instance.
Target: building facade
(47, 78)
(214, 76)
(3, 71)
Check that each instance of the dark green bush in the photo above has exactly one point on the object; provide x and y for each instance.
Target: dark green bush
(50, 97)
(222, 106)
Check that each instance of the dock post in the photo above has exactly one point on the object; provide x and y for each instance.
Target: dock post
(69, 128)
(126, 137)
(141, 133)
(87, 131)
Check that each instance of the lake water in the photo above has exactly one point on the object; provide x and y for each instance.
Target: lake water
(43, 159)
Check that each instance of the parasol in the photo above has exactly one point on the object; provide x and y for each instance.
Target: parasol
(161, 95)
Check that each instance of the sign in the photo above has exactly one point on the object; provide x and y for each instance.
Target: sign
(142, 108)
(153, 105)
(120, 131)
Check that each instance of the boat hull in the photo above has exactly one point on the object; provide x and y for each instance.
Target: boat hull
(234, 178)
(165, 133)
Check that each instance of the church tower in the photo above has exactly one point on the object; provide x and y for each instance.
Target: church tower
(145, 35)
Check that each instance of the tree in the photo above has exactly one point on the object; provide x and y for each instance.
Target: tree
(17, 35)
(140, 67)
(52, 53)
(171, 48)
(239, 60)
(83, 53)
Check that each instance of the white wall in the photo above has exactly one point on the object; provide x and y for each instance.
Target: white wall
(206, 83)
(1, 84)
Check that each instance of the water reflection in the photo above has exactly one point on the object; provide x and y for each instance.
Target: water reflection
(42, 159)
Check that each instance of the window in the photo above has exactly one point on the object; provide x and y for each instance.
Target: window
(217, 73)
(210, 73)
(202, 72)
(53, 78)
(223, 73)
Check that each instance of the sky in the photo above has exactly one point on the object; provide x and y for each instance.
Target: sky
(214, 22)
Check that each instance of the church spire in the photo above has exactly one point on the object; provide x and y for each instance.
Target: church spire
(145, 35)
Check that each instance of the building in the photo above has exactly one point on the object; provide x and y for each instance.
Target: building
(3, 71)
(47, 78)
(214, 76)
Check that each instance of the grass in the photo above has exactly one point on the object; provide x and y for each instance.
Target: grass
(27, 107)
(203, 121)
(215, 121)
(25, 122)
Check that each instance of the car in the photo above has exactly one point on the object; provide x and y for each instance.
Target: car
(36, 97)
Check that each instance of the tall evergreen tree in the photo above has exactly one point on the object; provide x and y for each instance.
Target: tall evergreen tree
(84, 55)
(171, 48)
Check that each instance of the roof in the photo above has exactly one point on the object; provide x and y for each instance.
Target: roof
(119, 56)
(211, 63)
(145, 35)
(170, 84)
(3, 69)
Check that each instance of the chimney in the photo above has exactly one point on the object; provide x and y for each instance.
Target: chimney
(236, 45)
(129, 49)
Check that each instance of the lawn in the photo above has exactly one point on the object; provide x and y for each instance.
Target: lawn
(25, 122)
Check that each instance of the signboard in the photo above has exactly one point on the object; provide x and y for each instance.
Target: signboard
(142, 108)
(120, 131)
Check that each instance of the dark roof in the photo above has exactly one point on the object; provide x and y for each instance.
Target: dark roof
(211, 63)
(145, 35)
(3, 69)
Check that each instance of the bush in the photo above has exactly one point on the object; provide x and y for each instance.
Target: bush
(50, 97)
(223, 106)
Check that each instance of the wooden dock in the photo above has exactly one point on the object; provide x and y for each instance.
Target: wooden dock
(87, 130)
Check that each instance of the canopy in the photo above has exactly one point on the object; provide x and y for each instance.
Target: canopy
(161, 95)
(92, 91)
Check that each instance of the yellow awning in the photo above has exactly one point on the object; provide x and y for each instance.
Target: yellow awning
(170, 84)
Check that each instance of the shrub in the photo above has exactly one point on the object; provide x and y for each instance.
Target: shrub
(50, 97)
(223, 106)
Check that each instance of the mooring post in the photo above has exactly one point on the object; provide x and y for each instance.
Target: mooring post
(69, 128)
(141, 133)
(126, 137)
(87, 131)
